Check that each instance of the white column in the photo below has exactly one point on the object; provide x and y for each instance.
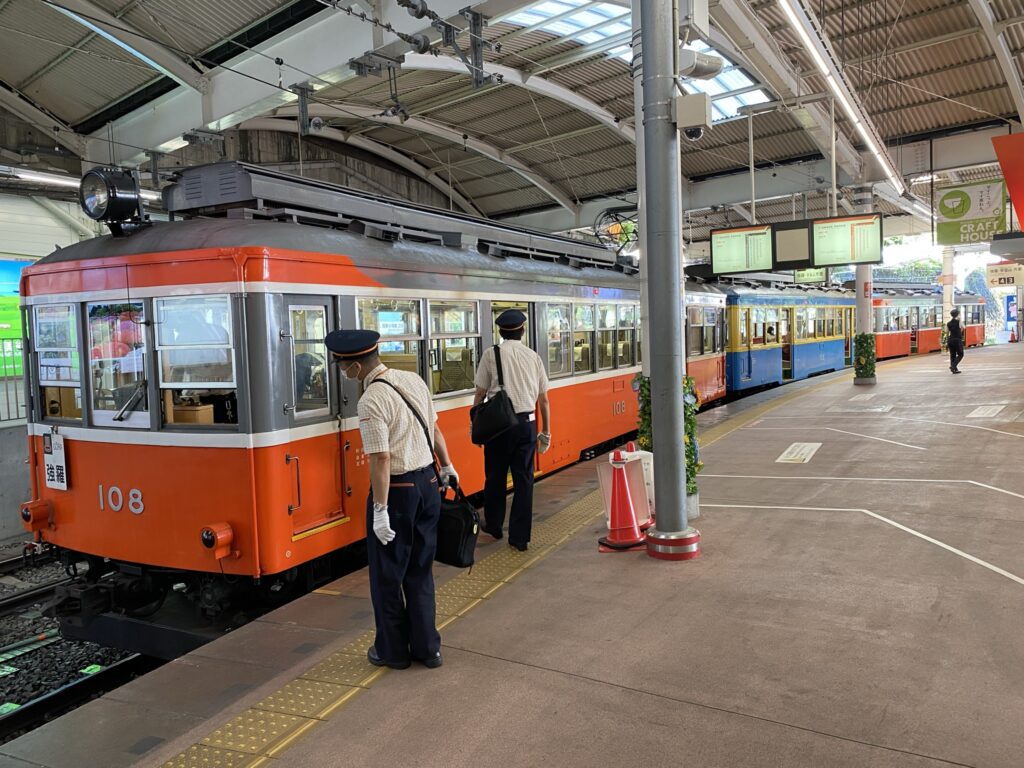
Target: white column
(948, 281)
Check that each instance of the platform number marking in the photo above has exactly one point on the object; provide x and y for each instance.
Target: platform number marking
(113, 498)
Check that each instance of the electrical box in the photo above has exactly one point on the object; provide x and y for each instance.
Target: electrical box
(693, 110)
(694, 20)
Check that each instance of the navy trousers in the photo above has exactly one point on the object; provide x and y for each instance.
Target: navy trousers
(514, 451)
(401, 573)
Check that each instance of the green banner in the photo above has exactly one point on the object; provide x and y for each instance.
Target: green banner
(970, 213)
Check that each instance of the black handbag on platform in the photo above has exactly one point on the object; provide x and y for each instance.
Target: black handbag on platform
(459, 524)
(494, 416)
(457, 531)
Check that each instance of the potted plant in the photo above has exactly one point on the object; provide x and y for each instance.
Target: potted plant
(864, 358)
(691, 403)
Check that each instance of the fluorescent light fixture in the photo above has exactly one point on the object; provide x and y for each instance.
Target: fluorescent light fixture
(841, 98)
(806, 38)
(869, 141)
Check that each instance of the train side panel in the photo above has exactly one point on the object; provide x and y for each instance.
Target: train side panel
(750, 368)
(708, 373)
(929, 340)
(812, 357)
(974, 336)
(892, 344)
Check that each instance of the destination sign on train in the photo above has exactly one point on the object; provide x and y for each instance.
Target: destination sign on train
(744, 249)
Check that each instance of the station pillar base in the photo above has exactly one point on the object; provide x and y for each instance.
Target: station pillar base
(675, 545)
(865, 380)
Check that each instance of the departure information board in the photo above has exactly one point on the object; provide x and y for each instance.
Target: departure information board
(847, 240)
(745, 249)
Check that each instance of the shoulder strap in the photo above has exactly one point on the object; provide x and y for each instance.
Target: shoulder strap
(426, 433)
(497, 362)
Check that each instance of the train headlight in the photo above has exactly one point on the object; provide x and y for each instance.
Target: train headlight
(109, 194)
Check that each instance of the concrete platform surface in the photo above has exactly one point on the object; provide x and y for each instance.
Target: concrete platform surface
(858, 609)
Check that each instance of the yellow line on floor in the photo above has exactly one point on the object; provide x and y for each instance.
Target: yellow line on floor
(273, 724)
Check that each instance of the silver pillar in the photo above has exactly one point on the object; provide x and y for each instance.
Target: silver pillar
(863, 199)
(948, 280)
(659, 35)
(641, 193)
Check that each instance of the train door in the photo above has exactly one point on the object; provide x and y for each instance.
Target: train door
(786, 337)
(848, 334)
(745, 356)
(313, 466)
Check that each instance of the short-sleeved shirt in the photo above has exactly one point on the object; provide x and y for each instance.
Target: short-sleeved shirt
(522, 369)
(386, 423)
(956, 331)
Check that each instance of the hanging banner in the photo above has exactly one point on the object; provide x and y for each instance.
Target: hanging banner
(970, 213)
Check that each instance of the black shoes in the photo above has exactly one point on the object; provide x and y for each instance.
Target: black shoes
(377, 661)
(496, 536)
(956, 370)
(520, 547)
(433, 662)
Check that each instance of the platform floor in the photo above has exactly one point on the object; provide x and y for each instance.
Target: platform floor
(859, 609)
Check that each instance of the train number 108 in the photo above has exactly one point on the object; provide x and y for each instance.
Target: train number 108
(113, 498)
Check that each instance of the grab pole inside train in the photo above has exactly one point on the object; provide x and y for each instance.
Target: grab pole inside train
(672, 538)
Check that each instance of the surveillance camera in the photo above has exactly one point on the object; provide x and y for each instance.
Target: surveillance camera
(316, 124)
(693, 134)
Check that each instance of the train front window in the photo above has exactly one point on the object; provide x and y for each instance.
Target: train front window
(196, 360)
(398, 323)
(117, 355)
(454, 345)
(56, 345)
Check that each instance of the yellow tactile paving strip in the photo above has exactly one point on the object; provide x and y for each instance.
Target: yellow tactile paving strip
(270, 726)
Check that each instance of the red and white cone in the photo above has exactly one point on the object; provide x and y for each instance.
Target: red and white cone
(624, 534)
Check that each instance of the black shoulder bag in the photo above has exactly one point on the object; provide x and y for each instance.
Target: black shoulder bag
(459, 524)
(494, 416)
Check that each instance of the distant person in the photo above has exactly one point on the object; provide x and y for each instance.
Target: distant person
(526, 383)
(404, 504)
(955, 340)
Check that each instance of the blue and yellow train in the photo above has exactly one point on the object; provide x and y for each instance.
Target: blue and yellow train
(784, 334)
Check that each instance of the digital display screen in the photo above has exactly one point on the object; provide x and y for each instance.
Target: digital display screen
(745, 249)
(792, 244)
(847, 240)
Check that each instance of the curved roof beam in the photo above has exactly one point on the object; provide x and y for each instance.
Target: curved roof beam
(532, 83)
(995, 39)
(433, 128)
(373, 147)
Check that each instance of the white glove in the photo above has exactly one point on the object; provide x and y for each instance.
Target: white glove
(543, 442)
(449, 477)
(382, 524)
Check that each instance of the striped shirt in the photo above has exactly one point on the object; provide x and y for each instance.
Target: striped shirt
(386, 423)
(523, 371)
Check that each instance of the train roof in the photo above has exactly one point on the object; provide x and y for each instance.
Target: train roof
(753, 292)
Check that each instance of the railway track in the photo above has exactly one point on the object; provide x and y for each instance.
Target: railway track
(26, 597)
(39, 711)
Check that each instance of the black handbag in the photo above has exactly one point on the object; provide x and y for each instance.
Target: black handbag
(459, 524)
(495, 415)
(457, 531)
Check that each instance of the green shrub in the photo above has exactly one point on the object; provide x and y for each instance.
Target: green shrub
(645, 431)
(864, 355)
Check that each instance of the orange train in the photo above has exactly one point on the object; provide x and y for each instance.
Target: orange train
(187, 434)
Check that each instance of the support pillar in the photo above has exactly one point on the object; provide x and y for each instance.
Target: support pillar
(863, 199)
(646, 330)
(948, 281)
(672, 538)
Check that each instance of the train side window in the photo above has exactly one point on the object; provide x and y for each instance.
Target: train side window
(558, 336)
(627, 337)
(744, 328)
(118, 365)
(815, 322)
(59, 365)
(497, 307)
(771, 326)
(784, 321)
(830, 321)
(710, 330)
(195, 360)
(639, 338)
(606, 337)
(758, 330)
(454, 345)
(583, 326)
(398, 323)
(694, 331)
(801, 324)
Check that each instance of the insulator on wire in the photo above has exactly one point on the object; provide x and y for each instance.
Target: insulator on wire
(420, 43)
(416, 8)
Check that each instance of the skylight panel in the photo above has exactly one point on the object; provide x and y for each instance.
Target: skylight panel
(589, 37)
(565, 27)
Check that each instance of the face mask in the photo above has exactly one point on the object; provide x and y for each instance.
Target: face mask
(348, 372)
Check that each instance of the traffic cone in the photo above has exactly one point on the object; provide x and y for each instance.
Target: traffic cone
(649, 522)
(625, 533)
(1013, 335)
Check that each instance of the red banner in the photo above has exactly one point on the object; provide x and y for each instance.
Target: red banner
(1010, 151)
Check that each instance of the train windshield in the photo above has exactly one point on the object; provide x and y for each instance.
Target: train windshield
(117, 364)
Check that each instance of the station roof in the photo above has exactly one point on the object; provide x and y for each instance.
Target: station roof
(556, 129)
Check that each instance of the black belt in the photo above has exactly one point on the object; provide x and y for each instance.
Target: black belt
(413, 473)
(527, 416)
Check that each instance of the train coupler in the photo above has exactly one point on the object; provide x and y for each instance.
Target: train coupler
(78, 604)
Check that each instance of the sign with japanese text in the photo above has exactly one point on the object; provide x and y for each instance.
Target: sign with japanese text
(971, 213)
(54, 464)
(1005, 274)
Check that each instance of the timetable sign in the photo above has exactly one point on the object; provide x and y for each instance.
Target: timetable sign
(847, 240)
(745, 249)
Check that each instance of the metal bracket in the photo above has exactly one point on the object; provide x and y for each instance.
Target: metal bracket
(303, 91)
(372, 63)
(475, 60)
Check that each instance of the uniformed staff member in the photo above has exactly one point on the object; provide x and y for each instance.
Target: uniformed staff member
(526, 383)
(404, 504)
(955, 340)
